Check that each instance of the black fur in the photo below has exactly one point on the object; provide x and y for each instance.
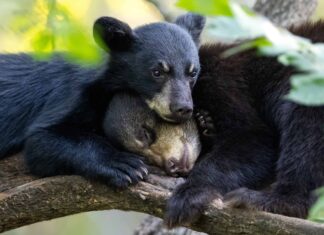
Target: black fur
(110, 31)
(194, 24)
(257, 135)
(53, 110)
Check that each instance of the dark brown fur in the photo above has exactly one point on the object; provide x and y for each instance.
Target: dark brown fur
(258, 135)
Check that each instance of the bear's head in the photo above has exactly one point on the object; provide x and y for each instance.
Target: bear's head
(131, 126)
(159, 61)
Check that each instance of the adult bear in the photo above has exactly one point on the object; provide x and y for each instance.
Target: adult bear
(53, 110)
(258, 135)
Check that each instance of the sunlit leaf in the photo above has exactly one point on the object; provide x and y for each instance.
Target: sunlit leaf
(51, 27)
(307, 89)
(316, 213)
(43, 41)
(80, 47)
(20, 24)
(206, 7)
(259, 42)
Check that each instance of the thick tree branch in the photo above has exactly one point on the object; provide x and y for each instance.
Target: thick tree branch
(25, 199)
(154, 226)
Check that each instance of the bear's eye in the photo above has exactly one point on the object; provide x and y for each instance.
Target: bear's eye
(193, 74)
(147, 135)
(156, 73)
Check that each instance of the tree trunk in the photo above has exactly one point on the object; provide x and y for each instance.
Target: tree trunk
(286, 12)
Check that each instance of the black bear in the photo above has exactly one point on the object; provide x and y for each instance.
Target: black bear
(259, 135)
(53, 110)
(130, 125)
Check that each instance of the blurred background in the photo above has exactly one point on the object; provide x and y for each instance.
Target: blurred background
(134, 12)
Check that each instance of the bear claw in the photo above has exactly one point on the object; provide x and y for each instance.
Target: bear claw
(205, 122)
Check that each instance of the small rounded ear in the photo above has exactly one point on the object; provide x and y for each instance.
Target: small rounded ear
(193, 23)
(112, 34)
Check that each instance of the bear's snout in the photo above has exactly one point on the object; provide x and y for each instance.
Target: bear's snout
(181, 111)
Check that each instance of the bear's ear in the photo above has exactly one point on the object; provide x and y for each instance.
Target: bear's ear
(193, 23)
(112, 34)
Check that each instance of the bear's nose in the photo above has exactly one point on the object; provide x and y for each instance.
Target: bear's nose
(178, 167)
(181, 111)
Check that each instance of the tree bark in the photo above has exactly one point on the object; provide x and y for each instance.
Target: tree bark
(286, 12)
(25, 199)
(154, 226)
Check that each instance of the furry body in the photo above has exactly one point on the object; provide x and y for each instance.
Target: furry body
(54, 110)
(259, 137)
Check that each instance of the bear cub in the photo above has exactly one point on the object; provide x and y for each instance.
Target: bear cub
(53, 110)
(132, 126)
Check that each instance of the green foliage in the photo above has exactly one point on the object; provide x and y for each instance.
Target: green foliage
(206, 7)
(51, 27)
(307, 89)
(317, 211)
(242, 23)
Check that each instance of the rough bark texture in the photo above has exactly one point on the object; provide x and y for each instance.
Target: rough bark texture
(154, 226)
(25, 199)
(286, 12)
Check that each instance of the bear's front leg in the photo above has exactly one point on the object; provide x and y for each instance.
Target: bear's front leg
(238, 158)
(299, 168)
(69, 150)
(295, 205)
(188, 202)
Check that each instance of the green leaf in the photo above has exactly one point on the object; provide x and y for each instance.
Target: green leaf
(43, 41)
(42, 44)
(20, 24)
(307, 89)
(207, 7)
(70, 36)
(242, 25)
(316, 213)
(51, 27)
(81, 48)
(246, 46)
